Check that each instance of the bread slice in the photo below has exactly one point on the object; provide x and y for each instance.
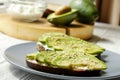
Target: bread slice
(66, 55)
(62, 42)
(67, 63)
(39, 67)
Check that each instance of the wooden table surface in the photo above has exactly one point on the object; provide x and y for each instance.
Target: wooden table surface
(105, 35)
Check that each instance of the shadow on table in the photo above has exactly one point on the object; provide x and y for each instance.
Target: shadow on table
(96, 38)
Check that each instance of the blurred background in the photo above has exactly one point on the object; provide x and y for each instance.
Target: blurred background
(109, 10)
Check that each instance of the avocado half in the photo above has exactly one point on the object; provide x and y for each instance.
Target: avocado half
(63, 19)
(87, 11)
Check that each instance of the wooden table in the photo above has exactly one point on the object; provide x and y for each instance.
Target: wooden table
(105, 35)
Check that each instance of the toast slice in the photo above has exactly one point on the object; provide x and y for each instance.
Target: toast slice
(62, 42)
(67, 63)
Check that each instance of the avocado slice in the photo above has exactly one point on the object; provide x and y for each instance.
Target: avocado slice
(63, 19)
(61, 42)
(87, 47)
(71, 60)
(31, 56)
(71, 43)
(57, 43)
(43, 37)
(40, 58)
(78, 61)
(64, 56)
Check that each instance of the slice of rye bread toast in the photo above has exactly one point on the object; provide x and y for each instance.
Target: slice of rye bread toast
(65, 63)
(61, 42)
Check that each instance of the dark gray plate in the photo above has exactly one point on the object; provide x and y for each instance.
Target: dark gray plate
(16, 56)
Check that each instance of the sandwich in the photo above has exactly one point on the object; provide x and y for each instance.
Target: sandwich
(66, 62)
(59, 53)
(62, 42)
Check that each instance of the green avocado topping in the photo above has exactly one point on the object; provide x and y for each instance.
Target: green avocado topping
(70, 60)
(62, 43)
(68, 53)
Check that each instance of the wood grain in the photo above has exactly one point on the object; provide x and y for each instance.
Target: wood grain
(31, 31)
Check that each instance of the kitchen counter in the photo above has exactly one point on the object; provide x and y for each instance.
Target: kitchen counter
(105, 35)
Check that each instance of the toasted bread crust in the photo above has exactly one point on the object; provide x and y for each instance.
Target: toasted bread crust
(61, 71)
(40, 48)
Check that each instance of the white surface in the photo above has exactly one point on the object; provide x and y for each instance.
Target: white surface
(3, 1)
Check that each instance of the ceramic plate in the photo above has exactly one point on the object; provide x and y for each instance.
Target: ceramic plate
(16, 56)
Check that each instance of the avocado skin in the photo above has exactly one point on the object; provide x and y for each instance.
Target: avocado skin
(87, 11)
(63, 19)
